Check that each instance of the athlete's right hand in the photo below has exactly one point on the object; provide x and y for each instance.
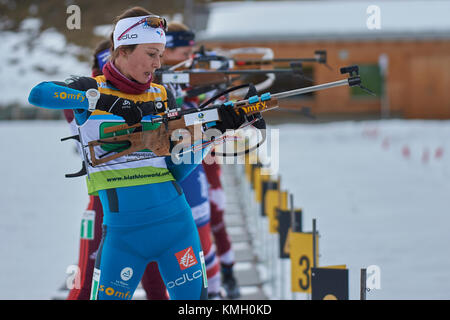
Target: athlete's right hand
(127, 109)
(131, 111)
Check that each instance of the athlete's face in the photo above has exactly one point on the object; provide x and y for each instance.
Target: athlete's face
(139, 64)
(178, 54)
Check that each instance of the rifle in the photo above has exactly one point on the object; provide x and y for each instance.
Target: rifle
(207, 77)
(225, 59)
(158, 141)
(320, 56)
(221, 68)
(202, 81)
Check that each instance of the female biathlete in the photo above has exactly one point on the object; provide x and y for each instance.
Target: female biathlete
(146, 215)
(93, 217)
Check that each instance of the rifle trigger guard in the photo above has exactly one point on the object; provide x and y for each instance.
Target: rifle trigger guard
(166, 123)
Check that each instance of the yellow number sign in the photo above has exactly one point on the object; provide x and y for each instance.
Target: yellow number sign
(274, 199)
(258, 179)
(301, 254)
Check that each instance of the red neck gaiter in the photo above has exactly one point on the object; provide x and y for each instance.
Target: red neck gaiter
(121, 82)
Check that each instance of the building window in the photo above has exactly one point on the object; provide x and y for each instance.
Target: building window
(372, 79)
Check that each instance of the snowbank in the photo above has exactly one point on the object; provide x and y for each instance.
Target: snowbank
(31, 57)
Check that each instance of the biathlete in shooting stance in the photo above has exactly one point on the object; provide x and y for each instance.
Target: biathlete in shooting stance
(203, 188)
(93, 216)
(145, 214)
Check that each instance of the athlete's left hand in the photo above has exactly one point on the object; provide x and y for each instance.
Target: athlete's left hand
(230, 119)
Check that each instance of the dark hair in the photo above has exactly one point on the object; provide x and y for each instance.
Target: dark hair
(177, 26)
(101, 46)
(132, 12)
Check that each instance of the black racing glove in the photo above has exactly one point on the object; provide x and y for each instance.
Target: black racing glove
(131, 111)
(230, 119)
(127, 109)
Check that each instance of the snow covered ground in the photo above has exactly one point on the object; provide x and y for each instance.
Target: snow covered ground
(32, 57)
(374, 204)
(40, 209)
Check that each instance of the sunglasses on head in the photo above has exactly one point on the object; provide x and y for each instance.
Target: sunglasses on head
(150, 21)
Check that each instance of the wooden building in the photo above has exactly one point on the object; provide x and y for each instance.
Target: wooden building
(402, 48)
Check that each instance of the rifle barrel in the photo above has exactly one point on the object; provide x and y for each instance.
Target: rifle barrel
(295, 60)
(255, 61)
(318, 87)
(339, 83)
(231, 71)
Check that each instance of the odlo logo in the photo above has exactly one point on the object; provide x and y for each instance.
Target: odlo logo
(183, 279)
(129, 36)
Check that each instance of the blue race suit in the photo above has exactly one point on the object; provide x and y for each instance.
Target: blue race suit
(143, 221)
(141, 226)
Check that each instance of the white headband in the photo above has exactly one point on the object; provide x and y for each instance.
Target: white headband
(142, 33)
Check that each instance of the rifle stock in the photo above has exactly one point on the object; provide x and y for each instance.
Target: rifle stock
(158, 140)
